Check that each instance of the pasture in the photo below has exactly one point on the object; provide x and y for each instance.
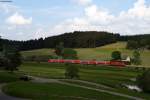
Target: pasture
(99, 53)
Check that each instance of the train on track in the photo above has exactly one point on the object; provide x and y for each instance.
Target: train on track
(117, 63)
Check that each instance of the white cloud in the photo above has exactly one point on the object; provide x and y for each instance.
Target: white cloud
(135, 20)
(18, 19)
(140, 10)
(96, 15)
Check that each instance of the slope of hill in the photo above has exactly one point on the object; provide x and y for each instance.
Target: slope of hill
(99, 53)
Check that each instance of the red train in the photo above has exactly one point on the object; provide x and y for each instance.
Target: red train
(89, 62)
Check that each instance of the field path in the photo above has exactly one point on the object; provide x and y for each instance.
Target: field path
(45, 80)
(88, 83)
(6, 97)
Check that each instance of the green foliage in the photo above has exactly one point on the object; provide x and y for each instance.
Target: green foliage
(70, 54)
(144, 81)
(136, 58)
(116, 55)
(72, 71)
(11, 58)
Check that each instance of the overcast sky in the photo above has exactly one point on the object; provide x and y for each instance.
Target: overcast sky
(30, 19)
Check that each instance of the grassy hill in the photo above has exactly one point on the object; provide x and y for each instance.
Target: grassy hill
(99, 53)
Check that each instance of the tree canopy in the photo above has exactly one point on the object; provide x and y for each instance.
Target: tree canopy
(83, 39)
(87, 39)
(116, 55)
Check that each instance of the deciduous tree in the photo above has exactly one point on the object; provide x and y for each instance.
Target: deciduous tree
(116, 55)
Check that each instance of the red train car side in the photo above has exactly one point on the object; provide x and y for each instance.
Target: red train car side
(89, 62)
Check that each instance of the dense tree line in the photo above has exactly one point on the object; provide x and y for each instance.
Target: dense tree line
(138, 44)
(137, 41)
(89, 39)
(134, 37)
(77, 39)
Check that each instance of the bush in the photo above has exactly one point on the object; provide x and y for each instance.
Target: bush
(116, 55)
(72, 71)
(136, 58)
(144, 81)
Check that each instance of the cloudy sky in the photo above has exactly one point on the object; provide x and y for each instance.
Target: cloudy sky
(30, 19)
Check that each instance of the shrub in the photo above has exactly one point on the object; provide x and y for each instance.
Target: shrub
(72, 71)
(136, 58)
(116, 55)
(144, 81)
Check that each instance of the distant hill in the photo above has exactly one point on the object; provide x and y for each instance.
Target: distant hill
(88, 39)
(77, 39)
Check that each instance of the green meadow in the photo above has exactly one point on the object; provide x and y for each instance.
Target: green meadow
(108, 76)
(99, 53)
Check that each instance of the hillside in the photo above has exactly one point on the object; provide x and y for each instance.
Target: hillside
(99, 53)
(77, 39)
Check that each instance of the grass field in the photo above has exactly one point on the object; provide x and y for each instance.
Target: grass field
(109, 76)
(6, 77)
(54, 91)
(99, 53)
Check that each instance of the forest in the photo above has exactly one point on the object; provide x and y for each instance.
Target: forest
(83, 39)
